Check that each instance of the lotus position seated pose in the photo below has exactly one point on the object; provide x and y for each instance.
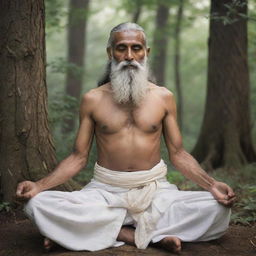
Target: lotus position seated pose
(129, 199)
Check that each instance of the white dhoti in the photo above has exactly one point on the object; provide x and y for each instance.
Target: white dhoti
(91, 219)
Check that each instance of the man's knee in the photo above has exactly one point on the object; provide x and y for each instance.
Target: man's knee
(222, 215)
(33, 203)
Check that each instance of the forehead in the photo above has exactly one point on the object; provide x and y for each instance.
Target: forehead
(129, 36)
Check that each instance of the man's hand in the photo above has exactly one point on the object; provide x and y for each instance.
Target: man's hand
(27, 189)
(223, 193)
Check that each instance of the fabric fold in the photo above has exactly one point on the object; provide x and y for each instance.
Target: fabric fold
(142, 186)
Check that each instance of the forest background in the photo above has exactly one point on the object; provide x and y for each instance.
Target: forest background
(76, 38)
(101, 17)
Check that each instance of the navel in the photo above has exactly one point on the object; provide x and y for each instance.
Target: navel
(104, 127)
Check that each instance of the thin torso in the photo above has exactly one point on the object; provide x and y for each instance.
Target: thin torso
(128, 138)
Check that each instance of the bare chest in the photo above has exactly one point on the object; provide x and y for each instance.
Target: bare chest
(111, 119)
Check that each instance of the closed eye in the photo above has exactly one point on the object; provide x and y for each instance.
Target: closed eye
(136, 47)
(120, 47)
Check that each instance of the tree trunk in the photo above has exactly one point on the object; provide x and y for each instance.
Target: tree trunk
(160, 43)
(26, 147)
(137, 12)
(225, 137)
(77, 23)
(177, 76)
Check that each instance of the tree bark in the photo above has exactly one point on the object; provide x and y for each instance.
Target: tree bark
(160, 42)
(26, 147)
(225, 137)
(177, 76)
(77, 23)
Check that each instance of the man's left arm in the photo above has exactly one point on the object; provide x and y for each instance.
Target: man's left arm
(186, 163)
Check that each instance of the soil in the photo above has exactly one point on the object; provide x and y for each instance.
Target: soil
(18, 237)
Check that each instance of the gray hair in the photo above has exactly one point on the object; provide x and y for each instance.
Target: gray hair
(127, 26)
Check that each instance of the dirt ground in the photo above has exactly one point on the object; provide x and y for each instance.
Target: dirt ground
(18, 237)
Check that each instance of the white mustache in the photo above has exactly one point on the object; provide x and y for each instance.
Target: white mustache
(124, 64)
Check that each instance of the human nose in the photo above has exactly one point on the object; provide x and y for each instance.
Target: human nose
(129, 55)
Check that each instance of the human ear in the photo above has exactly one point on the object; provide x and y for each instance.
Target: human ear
(109, 52)
(148, 51)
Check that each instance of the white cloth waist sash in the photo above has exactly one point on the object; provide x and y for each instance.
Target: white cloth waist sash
(142, 185)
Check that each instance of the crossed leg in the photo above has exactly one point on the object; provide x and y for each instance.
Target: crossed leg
(170, 243)
(126, 234)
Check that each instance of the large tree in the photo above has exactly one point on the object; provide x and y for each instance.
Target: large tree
(177, 76)
(77, 24)
(225, 137)
(160, 41)
(26, 147)
(137, 11)
(133, 8)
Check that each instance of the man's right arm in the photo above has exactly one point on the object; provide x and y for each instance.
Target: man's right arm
(71, 165)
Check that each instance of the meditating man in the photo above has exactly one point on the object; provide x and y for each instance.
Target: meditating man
(129, 199)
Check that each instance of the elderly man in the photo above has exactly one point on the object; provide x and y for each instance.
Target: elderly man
(129, 199)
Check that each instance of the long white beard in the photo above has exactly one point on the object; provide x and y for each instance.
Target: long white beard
(129, 81)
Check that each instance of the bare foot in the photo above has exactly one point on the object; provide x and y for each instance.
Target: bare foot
(126, 235)
(171, 243)
(48, 244)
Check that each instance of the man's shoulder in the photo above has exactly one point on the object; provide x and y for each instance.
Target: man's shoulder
(94, 95)
(164, 93)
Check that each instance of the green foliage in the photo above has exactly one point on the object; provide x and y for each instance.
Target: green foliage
(78, 14)
(59, 65)
(252, 11)
(62, 107)
(5, 206)
(252, 66)
(131, 5)
(176, 178)
(243, 183)
(232, 12)
(246, 207)
(56, 12)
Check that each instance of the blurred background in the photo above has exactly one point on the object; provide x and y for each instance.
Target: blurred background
(102, 16)
(178, 33)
